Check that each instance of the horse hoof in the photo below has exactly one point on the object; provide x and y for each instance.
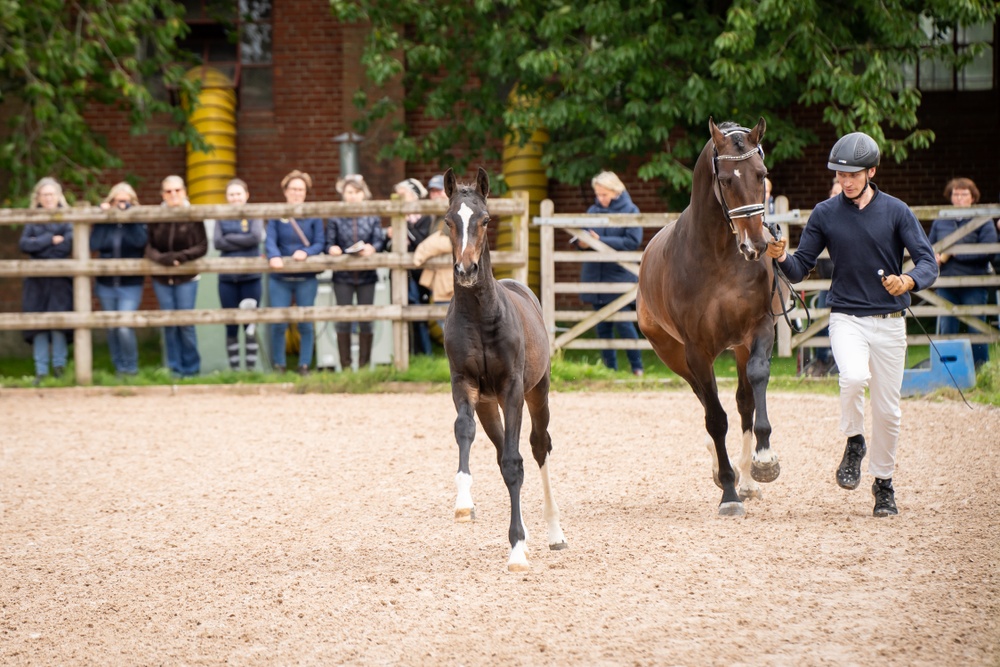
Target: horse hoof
(752, 493)
(465, 515)
(518, 567)
(765, 472)
(731, 509)
(558, 546)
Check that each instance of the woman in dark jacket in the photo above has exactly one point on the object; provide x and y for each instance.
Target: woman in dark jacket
(48, 295)
(362, 236)
(612, 198)
(172, 244)
(239, 238)
(115, 240)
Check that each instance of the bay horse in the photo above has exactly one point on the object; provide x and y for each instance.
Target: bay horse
(498, 353)
(706, 285)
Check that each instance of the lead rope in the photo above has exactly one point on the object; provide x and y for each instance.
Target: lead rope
(940, 358)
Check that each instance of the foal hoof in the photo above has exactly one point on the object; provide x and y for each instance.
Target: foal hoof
(750, 493)
(558, 546)
(518, 567)
(765, 472)
(465, 515)
(731, 509)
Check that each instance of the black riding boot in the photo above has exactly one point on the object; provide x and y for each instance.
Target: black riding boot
(364, 349)
(233, 350)
(344, 348)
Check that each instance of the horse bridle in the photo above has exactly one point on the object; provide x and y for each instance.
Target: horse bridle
(749, 210)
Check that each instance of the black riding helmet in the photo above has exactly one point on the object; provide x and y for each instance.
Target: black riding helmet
(853, 152)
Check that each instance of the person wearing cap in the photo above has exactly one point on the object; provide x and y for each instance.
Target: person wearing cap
(361, 236)
(418, 228)
(865, 231)
(435, 187)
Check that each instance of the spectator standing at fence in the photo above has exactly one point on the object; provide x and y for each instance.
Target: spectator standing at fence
(418, 227)
(239, 238)
(298, 238)
(173, 244)
(611, 197)
(441, 282)
(963, 193)
(116, 240)
(360, 236)
(48, 240)
(868, 297)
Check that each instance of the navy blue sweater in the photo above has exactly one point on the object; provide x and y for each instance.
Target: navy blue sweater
(860, 243)
(618, 238)
(281, 240)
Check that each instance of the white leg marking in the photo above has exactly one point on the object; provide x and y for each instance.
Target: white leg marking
(465, 213)
(518, 561)
(464, 508)
(748, 487)
(551, 511)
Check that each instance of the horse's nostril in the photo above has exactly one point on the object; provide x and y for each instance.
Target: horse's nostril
(474, 268)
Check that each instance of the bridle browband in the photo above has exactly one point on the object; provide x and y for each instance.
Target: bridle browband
(749, 210)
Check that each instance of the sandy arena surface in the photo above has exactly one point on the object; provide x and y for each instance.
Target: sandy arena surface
(211, 528)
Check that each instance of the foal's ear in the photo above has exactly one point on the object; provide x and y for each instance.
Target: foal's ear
(449, 182)
(757, 133)
(483, 183)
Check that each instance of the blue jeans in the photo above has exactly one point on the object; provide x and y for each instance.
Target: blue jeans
(121, 340)
(624, 330)
(40, 350)
(421, 333)
(182, 342)
(230, 295)
(965, 296)
(281, 291)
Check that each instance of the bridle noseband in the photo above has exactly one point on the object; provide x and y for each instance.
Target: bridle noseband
(749, 210)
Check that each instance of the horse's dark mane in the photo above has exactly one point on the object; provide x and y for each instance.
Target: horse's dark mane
(738, 138)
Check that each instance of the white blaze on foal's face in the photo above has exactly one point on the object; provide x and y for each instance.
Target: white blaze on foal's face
(465, 213)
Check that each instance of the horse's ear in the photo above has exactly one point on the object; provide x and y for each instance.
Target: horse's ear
(483, 183)
(717, 136)
(757, 134)
(449, 182)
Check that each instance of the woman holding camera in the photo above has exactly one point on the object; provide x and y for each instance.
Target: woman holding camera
(116, 240)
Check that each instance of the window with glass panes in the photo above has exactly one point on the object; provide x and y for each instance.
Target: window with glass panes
(973, 43)
(234, 36)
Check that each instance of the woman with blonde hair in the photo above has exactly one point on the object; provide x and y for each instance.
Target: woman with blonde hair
(117, 240)
(49, 240)
(611, 197)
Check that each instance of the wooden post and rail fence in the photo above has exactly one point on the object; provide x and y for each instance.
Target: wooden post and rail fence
(566, 327)
(83, 267)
